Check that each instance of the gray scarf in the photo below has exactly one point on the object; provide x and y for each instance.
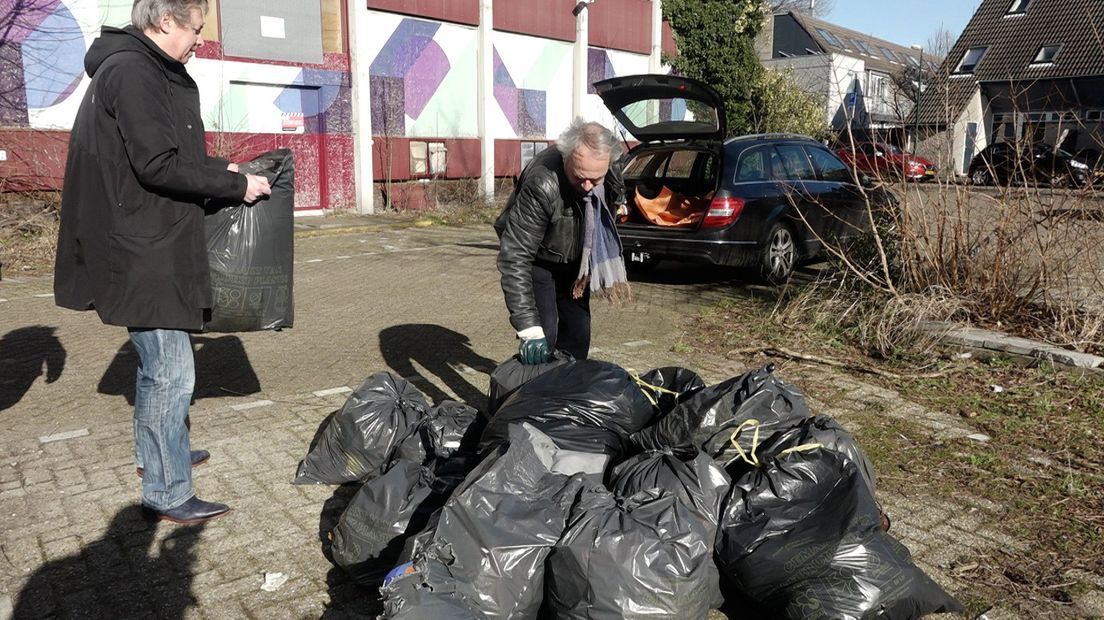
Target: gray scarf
(601, 264)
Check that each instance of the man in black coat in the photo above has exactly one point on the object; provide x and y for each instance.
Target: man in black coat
(131, 243)
(558, 243)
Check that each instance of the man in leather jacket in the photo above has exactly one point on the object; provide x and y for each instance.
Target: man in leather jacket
(541, 234)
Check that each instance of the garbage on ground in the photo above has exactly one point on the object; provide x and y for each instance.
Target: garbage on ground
(800, 537)
(273, 581)
(596, 493)
(250, 252)
(494, 534)
(587, 405)
(512, 374)
(359, 440)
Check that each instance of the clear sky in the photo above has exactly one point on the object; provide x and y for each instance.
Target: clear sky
(903, 22)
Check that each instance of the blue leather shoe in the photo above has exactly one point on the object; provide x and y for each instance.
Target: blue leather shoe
(199, 457)
(191, 512)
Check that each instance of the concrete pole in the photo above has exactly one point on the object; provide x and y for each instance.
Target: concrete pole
(655, 59)
(485, 98)
(579, 87)
(359, 31)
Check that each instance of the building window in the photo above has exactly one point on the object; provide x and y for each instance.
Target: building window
(863, 47)
(889, 55)
(970, 60)
(1018, 6)
(912, 60)
(829, 37)
(427, 158)
(529, 150)
(1046, 54)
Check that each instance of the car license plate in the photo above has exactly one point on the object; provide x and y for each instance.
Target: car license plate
(639, 257)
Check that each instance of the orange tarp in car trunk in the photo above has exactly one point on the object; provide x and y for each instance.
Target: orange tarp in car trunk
(671, 209)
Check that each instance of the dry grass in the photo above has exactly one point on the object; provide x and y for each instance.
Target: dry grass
(28, 232)
(1023, 260)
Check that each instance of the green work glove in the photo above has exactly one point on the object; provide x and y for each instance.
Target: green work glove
(535, 351)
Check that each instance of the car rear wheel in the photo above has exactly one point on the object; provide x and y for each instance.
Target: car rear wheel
(779, 255)
(981, 176)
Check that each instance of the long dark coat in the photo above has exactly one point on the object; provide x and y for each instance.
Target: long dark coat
(131, 243)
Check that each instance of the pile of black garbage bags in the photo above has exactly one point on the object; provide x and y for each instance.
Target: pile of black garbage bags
(585, 491)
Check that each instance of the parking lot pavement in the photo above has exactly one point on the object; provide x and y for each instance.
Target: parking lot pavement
(422, 302)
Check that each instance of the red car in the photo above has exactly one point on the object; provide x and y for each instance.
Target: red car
(882, 160)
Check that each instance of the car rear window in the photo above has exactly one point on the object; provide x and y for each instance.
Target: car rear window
(796, 163)
(681, 164)
(753, 166)
(636, 167)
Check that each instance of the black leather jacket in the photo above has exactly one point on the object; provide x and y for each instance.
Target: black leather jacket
(542, 222)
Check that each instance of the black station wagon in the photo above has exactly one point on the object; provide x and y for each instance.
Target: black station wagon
(768, 201)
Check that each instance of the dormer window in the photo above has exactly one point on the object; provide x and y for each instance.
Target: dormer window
(1018, 6)
(1046, 55)
(970, 60)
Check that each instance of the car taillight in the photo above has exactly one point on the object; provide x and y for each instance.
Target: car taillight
(723, 211)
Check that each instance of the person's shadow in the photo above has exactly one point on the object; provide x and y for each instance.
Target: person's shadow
(117, 574)
(23, 354)
(442, 353)
(221, 364)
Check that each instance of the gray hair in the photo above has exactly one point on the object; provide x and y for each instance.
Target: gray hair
(147, 14)
(594, 135)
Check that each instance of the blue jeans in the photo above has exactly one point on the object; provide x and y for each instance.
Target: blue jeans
(166, 378)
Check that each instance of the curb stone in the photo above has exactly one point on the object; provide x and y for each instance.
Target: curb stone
(998, 342)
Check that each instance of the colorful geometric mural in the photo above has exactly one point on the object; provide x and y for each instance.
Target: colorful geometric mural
(525, 109)
(405, 75)
(42, 48)
(41, 57)
(599, 67)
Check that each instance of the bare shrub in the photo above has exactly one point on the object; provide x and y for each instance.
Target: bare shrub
(28, 231)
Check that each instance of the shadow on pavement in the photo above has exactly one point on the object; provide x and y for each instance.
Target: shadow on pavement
(23, 354)
(117, 575)
(222, 367)
(440, 351)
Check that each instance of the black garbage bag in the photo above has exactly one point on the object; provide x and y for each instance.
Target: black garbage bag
(493, 535)
(512, 374)
(707, 417)
(427, 592)
(670, 385)
(587, 406)
(250, 250)
(761, 405)
(644, 556)
(370, 537)
(444, 430)
(360, 440)
(800, 538)
(693, 478)
(826, 431)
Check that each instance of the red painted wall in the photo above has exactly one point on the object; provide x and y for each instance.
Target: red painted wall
(36, 159)
(458, 11)
(461, 160)
(621, 25)
(543, 18)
